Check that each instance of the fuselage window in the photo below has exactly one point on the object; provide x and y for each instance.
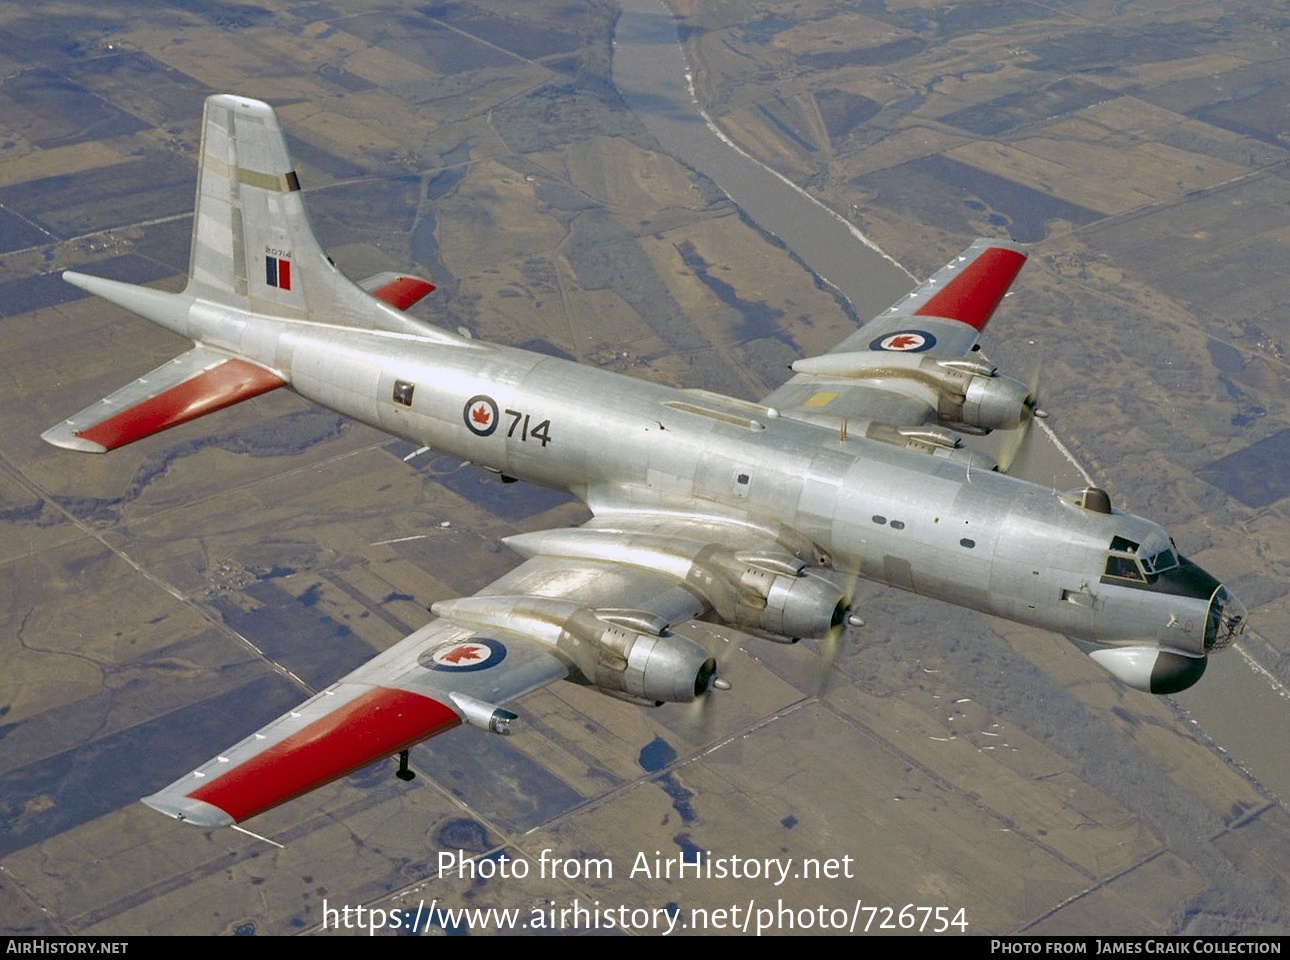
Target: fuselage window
(403, 392)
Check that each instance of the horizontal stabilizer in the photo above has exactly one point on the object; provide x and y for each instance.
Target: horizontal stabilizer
(193, 384)
(398, 290)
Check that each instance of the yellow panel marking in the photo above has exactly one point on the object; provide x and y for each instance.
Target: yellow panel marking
(821, 399)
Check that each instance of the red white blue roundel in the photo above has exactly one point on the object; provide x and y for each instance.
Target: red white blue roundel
(465, 656)
(480, 414)
(905, 341)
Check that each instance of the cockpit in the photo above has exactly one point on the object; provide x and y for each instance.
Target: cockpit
(1129, 561)
(1226, 620)
(1158, 568)
(1156, 616)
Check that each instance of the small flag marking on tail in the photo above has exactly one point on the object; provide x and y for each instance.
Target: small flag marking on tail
(277, 272)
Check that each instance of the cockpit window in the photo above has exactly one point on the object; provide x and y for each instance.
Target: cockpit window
(1124, 568)
(1129, 560)
(1164, 560)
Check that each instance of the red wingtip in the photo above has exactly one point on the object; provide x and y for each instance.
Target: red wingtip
(403, 292)
(221, 386)
(973, 294)
(380, 723)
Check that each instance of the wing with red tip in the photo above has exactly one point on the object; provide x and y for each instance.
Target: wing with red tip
(411, 692)
(193, 384)
(862, 378)
(944, 316)
(429, 682)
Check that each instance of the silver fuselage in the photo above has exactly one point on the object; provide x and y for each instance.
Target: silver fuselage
(932, 526)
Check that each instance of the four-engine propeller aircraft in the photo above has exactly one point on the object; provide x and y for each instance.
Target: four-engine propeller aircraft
(739, 513)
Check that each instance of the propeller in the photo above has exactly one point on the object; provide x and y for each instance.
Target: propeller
(697, 716)
(1016, 440)
(833, 642)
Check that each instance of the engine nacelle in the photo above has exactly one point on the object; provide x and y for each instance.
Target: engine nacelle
(801, 606)
(621, 652)
(968, 391)
(1151, 669)
(660, 669)
(773, 595)
(767, 591)
(987, 403)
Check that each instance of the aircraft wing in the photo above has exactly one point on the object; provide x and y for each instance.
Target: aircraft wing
(881, 372)
(422, 686)
(193, 384)
(570, 615)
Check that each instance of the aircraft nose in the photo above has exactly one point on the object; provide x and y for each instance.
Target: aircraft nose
(1225, 620)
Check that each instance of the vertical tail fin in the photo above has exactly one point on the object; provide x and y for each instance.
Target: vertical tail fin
(252, 240)
(253, 250)
(253, 245)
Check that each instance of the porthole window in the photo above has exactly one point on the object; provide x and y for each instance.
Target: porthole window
(403, 392)
(897, 525)
(878, 519)
(965, 542)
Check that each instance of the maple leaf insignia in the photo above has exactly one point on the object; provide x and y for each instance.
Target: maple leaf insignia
(481, 414)
(458, 654)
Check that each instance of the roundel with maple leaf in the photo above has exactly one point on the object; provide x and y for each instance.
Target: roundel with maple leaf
(904, 341)
(480, 414)
(465, 656)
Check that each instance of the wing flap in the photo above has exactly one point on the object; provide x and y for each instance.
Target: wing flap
(195, 383)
